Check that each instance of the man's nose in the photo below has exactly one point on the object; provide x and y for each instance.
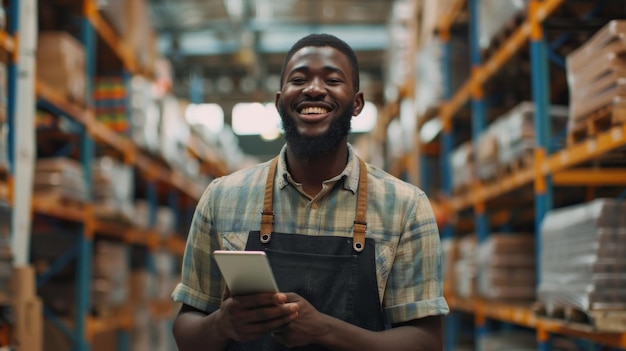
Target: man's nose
(315, 87)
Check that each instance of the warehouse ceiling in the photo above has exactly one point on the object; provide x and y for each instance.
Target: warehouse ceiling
(232, 50)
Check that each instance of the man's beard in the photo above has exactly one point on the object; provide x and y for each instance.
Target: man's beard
(305, 147)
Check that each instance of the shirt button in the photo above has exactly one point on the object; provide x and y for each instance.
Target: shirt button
(314, 205)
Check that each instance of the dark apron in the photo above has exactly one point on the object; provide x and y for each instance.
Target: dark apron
(337, 275)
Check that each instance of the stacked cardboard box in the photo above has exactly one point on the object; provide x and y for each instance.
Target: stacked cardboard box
(113, 190)
(508, 142)
(465, 268)
(462, 163)
(506, 267)
(596, 73)
(583, 257)
(111, 271)
(60, 177)
(61, 64)
(27, 309)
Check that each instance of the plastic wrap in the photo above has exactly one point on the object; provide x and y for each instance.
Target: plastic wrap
(60, 177)
(113, 189)
(495, 14)
(462, 163)
(583, 261)
(596, 72)
(465, 268)
(506, 267)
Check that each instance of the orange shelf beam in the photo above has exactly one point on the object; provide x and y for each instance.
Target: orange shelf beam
(499, 58)
(6, 41)
(523, 315)
(109, 36)
(119, 142)
(73, 110)
(556, 164)
(54, 208)
(122, 320)
(586, 177)
(4, 191)
(176, 245)
(448, 18)
(586, 150)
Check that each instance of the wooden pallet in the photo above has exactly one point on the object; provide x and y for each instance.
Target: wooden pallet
(56, 202)
(599, 121)
(610, 321)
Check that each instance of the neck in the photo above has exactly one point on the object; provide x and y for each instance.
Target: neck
(312, 172)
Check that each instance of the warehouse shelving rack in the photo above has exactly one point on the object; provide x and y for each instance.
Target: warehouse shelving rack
(546, 170)
(96, 31)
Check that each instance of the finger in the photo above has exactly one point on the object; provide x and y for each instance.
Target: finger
(257, 300)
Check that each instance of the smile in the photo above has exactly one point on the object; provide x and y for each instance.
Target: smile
(314, 111)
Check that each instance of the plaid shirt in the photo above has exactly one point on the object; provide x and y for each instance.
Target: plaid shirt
(399, 219)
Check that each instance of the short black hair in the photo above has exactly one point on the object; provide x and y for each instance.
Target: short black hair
(320, 40)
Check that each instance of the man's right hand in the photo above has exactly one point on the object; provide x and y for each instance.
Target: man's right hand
(248, 317)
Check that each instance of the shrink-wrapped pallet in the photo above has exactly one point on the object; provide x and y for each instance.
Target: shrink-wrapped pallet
(583, 257)
(465, 267)
(60, 178)
(113, 190)
(506, 267)
(462, 163)
(596, 74)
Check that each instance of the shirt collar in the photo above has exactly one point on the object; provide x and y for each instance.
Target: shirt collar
(350, 174)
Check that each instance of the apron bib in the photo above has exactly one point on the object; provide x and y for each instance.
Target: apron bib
(337, 275)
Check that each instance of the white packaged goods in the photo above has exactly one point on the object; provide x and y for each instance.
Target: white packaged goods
(113, 189)
(583, 257)
(61, 177)
(506, 267)
(494, 15)
(596, 73)
(462, 163)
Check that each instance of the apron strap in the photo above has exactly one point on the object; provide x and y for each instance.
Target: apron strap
(267, 216)
(360, 222)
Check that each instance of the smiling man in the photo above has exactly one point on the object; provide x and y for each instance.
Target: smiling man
(355, 251)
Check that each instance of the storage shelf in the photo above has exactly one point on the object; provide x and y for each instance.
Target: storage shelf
(122, 320)
(524, 316)
(6, 41)
(57, 208)
(161, 309)
(560, 161)
(510, 47)
(448, 18)
(131, 154)
(112, 39)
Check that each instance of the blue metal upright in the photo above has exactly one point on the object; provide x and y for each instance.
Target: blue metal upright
(12, 84)
(447, 143)
(479, 110)
(85, 241)
(479, 122)
(541, 98)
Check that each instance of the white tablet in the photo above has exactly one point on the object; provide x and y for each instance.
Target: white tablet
(246, 272)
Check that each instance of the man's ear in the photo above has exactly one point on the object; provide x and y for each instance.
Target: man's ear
(358, 103)
(276, 98)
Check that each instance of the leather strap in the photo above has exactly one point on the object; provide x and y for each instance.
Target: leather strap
(360, 222)
(267, 216)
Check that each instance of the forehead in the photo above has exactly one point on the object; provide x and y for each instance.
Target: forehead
(315, 56)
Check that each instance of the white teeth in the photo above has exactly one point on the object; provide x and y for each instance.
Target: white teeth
(313, 110)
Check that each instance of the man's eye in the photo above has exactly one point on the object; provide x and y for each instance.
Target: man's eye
(298, 80)
(333, 80)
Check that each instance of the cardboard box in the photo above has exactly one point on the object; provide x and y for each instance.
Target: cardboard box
(61, 64)
(28, 324)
